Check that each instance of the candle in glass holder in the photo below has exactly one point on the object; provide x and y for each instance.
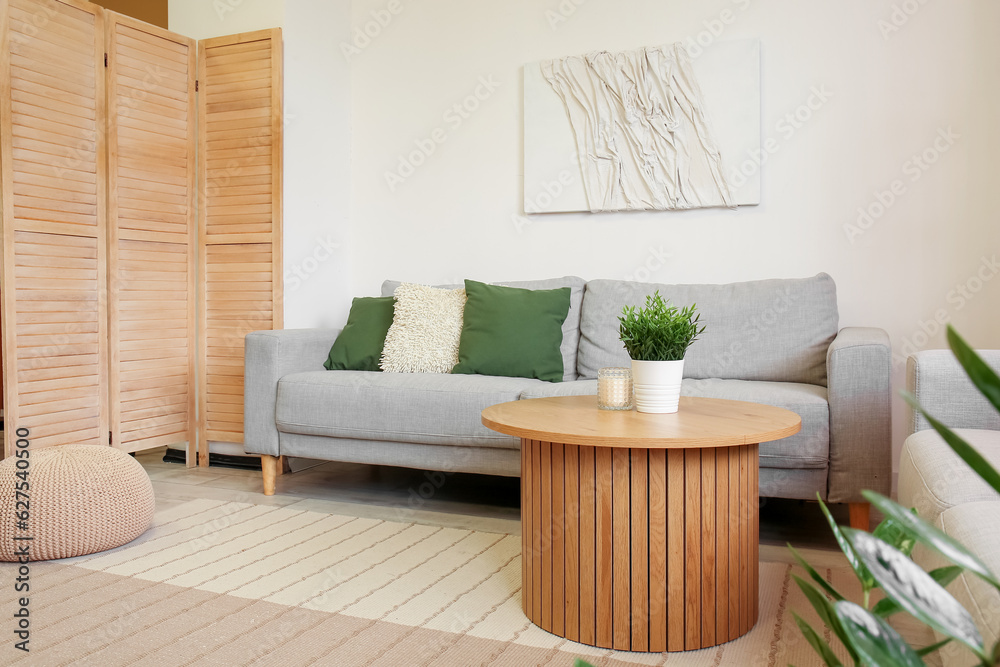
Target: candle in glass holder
(614, 389)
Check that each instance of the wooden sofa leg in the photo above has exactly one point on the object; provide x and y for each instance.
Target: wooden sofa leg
(269, 466)
(860, 513)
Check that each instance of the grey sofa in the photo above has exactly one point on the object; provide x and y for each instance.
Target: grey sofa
(945, 491)
(770, 341)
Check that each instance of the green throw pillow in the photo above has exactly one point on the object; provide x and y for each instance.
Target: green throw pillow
(359, 345)
(513, 332)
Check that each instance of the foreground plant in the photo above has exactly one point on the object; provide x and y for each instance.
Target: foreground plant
(882, 560)
(658, 331)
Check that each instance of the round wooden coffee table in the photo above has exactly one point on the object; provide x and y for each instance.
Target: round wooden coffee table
(639, 531)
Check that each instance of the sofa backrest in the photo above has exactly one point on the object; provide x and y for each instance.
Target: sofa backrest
(571, 327)
(777, 330)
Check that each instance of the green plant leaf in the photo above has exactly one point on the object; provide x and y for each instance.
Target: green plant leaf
(580, 662)
(966, 451)
(943, 575)
(819, 601)
(873, 639)
(914, 591)
(885, 608)
(824, 608)
(817, 642)
(866, 579)
(984, 377)
(815, 576)
(658, 331)
(932, 537)
(891, 532)
(927, 650)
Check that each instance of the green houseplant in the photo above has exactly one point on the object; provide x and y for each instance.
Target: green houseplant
(656, 338)
(882, 560)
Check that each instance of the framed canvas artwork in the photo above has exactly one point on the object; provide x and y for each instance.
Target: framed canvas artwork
(647, 129)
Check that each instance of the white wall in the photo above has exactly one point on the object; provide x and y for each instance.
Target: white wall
(201, 19)
(888, 98)
(317, 141)
(459, 214)
(317, 164)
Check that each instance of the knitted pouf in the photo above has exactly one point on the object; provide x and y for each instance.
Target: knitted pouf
(82, 499)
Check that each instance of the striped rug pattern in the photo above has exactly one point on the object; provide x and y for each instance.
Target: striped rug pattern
(227, 583)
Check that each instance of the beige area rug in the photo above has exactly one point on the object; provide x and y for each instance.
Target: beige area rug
(217, 583)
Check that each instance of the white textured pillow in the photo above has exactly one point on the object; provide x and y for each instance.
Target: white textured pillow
(426, 328)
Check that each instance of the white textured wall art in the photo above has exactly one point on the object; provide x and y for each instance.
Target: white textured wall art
(649, 129)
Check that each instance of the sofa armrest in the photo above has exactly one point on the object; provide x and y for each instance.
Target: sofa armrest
(271, 355)
(942, 387)
(859, 364)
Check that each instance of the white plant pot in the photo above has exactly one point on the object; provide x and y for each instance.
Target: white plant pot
(657, 385)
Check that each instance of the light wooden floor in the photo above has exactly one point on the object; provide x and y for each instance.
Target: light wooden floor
(458, 500)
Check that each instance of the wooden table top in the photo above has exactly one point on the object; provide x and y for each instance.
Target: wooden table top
(698, 423)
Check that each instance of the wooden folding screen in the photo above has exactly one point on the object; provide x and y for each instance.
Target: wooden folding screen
(99, 184)
(151, 213)
(52, 186)
(240, 128)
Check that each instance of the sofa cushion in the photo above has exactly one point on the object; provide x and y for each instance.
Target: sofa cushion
(359, 345)
(570, 328)
(933, 479)
(810, 447)
(807, 449)
(577, 388)
(426, 328)
(429, 408)
(773, 330)
(976, 525)
(512, 332)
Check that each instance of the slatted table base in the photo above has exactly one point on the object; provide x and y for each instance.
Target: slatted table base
(640, 549)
